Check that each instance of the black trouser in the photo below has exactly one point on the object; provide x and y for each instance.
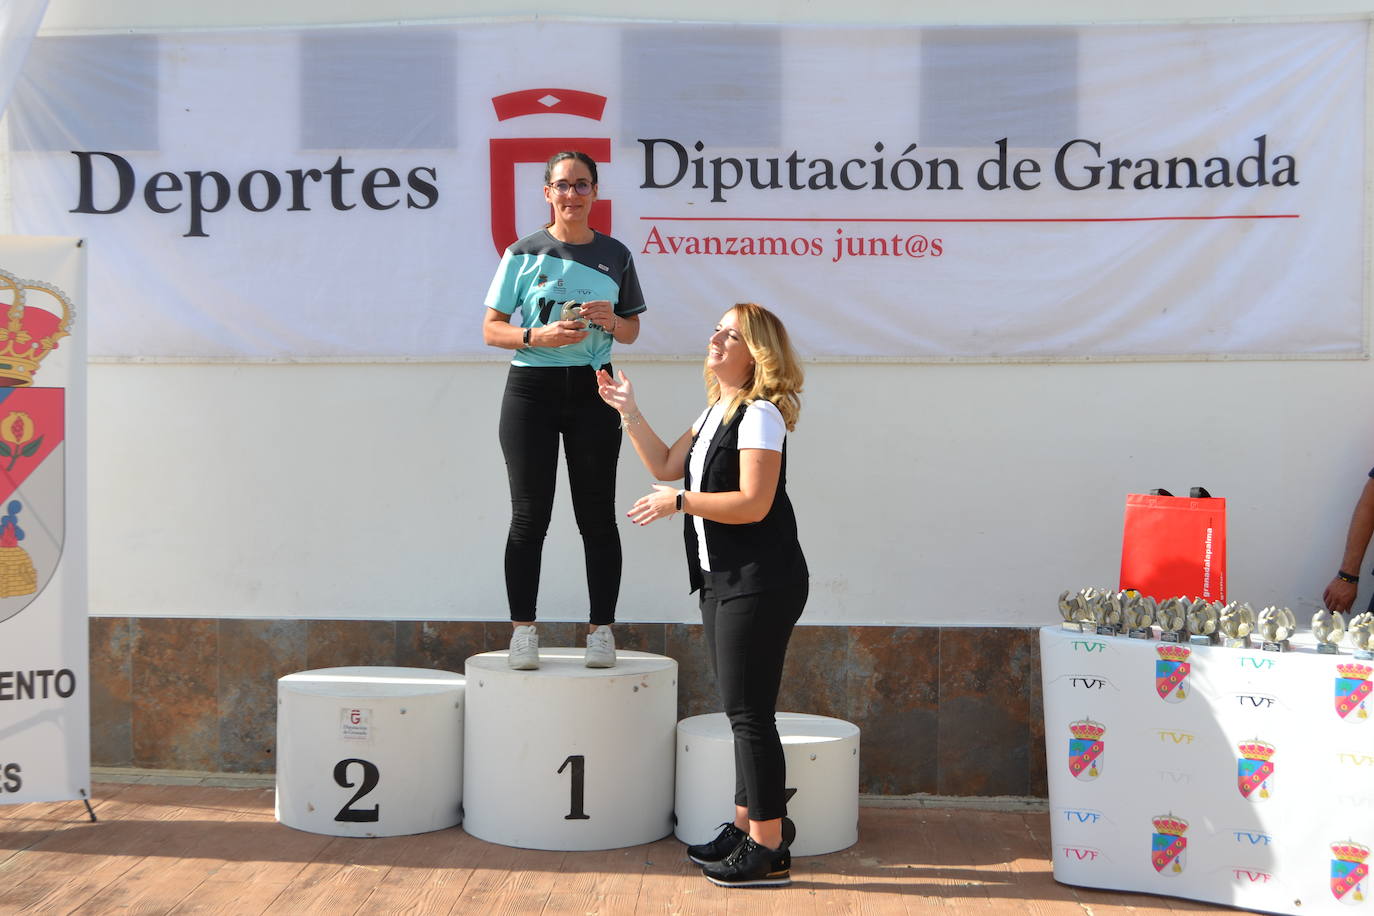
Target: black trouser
(747, 638)
(539, 405)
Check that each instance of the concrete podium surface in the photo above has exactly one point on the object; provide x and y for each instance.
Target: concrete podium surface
(370, 751)
(569, 757)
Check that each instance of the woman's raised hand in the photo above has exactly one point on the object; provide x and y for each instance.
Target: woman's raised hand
(619, 394)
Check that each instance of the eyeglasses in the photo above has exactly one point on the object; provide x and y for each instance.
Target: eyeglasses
(583, 187)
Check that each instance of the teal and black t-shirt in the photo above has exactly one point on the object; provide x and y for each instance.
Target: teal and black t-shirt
(539, 273)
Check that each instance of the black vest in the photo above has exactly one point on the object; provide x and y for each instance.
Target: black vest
(750, 558)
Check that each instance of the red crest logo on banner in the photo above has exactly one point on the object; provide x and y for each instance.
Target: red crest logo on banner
(1349, 870)
(509, 152)
(1255, 770)
(1168, 844)
(1086, 749)
(1171, 672)
(1353, 687)
(32, 437)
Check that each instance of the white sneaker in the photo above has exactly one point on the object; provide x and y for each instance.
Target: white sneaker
(524, 649)
(600, 648)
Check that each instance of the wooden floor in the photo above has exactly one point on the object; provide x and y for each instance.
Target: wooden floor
(205, 849)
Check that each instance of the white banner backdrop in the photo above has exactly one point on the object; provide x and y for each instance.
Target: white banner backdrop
(19, 20)
(44, 695)
(1231, 775)
(922, 194)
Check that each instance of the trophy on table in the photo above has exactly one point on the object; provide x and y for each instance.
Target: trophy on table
(1276, 624)
(1106, 611)
(1328, 628)
(1073, 610)
(1089, 611)
(1361, 636)
(1138, 614)
(1236, 623)
(1172, 616)
(1202, 618)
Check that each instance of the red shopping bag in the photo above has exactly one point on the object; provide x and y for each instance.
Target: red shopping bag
(1174, 546)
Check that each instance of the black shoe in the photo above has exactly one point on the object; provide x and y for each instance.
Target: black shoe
(752, 865)
(715, 851)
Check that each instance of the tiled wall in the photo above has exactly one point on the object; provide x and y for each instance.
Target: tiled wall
(946, 711)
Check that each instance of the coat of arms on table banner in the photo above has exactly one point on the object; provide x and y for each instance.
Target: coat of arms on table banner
(1255, 770)
(1352, 691)
(1085, 749)
(1349, 871)
(1171, 672)
(1168, 845)
(32, 437)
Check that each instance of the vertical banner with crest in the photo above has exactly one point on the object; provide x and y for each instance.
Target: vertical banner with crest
(44, 695)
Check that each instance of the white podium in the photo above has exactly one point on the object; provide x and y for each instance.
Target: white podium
(822, 757)
(568, 757)
(368, 752)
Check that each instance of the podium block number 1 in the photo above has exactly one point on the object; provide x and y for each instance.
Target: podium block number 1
(579, 781)
(371, 776)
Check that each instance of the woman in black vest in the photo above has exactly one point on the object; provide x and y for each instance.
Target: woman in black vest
(742, 558)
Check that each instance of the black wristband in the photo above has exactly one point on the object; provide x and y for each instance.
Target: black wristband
(679, 500)
(1346, 577)
(527, 337)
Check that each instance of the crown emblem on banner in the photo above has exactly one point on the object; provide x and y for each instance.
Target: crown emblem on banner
(1170, 825)
(1173, 652)
(1350, 851)
(1256, 750)
(1087, 729)
(33, 326)
(1357, 672)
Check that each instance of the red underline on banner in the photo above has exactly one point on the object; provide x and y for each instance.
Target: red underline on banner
(880, 219)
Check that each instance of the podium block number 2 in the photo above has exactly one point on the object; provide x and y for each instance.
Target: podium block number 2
(371, 776)
(579, 781)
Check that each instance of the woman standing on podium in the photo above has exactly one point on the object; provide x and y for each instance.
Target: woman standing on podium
(744, 560)
(551, 392)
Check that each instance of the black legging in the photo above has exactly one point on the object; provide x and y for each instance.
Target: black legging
(539, 405)
(747, 638)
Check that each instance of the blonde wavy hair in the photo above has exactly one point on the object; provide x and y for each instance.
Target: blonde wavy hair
(777, 373)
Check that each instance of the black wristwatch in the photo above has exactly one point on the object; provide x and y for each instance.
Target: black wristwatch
(679, 500)
(527, 337)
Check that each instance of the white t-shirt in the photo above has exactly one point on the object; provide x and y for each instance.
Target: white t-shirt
(762, 427)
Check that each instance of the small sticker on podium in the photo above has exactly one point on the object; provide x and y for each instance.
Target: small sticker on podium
(355, 724)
